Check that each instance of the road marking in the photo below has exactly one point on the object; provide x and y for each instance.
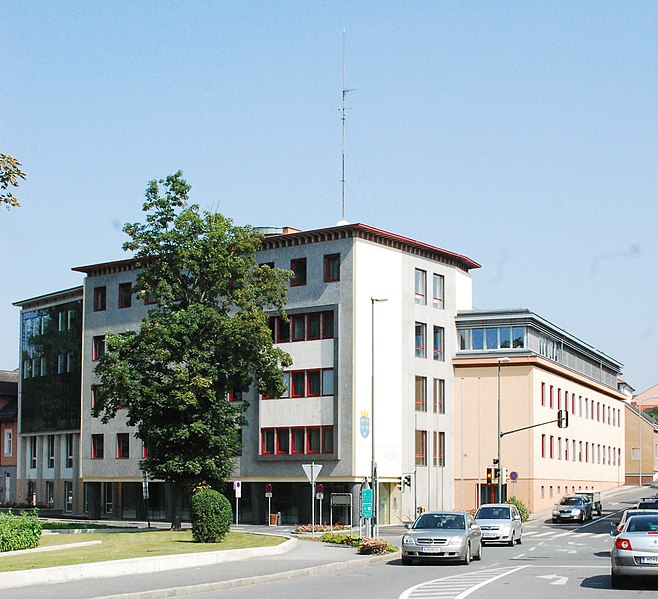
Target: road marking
(459, 585)
(565, 551)
(562, 580)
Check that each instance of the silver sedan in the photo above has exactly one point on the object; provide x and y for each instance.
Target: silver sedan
(635, 551)
(453, 536)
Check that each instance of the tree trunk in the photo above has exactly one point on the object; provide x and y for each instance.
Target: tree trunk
(177, 513)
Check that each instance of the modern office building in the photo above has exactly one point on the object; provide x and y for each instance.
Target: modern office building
(514, 371)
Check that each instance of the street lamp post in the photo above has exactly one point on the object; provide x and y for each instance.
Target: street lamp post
(500, 438)
(373, 464)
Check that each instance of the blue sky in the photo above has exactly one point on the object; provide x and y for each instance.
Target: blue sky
(521, 134)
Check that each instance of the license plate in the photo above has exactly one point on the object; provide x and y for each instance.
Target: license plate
(432, 550)
(489, 535)
(649, 560)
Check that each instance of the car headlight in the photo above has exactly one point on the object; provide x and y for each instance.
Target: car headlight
(556, 512)
(455, 540)
(408, 540)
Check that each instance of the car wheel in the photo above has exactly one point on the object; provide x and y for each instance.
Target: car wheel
(467, 554)
(511, 541)
(554, 520)
(616, 581)
(582, 518)
(478, 555)
(407, 561)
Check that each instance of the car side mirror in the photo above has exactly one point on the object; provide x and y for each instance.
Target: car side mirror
(408, 525)
(614, 533)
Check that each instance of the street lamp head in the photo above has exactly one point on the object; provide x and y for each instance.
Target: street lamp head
(503, 359)
(378, 299)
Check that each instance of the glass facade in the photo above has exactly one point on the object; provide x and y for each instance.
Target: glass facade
(492, 338)
(51, 344)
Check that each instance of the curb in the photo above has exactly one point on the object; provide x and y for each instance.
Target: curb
(243, 582)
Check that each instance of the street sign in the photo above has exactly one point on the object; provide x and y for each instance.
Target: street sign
(366, 503)
(237, 487)
(312, 471)
(513, 475)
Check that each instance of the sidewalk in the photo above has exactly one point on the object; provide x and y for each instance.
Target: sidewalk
(300, 558)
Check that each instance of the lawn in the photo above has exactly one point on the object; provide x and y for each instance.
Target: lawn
(124, 545)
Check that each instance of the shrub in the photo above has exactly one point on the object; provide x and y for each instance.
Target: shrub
(211, 516)
(340, 539)
(20, 532)
(369, 546)
(523, 510)
(308, 528)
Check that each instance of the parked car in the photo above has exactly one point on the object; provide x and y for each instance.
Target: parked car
(572, 507)
(635, 551)
(500, 523)
(453, 536)
(632, 512)
(595, 498)
(647, 503)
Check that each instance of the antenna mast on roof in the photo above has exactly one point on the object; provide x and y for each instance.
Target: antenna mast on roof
(342, 180)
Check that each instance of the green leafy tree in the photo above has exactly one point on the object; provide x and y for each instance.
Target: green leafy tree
(10, 173)
(207, 336)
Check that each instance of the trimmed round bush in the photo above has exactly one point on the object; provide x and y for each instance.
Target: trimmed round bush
(211, 515)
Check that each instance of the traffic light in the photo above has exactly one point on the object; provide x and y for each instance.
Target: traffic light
(407, 480)
(399, 483)
(562, 418)
(490, 475)
(496, 473)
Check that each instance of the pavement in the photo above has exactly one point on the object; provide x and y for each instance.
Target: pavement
(171, 576)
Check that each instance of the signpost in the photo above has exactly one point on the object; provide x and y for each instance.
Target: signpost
(268, 494)
(145, 495)
(312, 471)
(319, 495)
(366, 503)
(237, 487)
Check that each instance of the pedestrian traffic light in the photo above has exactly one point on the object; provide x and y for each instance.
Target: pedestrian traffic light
(399, 483)
(490, 472)
(407, 480)
(562, 418)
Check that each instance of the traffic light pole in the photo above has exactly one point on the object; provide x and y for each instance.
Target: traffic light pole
(562, 422)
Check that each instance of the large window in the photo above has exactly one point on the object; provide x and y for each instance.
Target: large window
(332, 268)
(421, 394)
(420, 287)
(439, 449)
(439, 396)
(421, 448)
(438, 349)
(298, 268)
(438, 291)
(304, 327)
(492, 338)
(420, 340)
(98, 347)
(308, 383)
(125, 295)
(7, 446)
(100, 298)
(97, 447)
(123, 445)
(297, 440)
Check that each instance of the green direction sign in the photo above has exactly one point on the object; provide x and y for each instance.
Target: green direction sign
(366, 503)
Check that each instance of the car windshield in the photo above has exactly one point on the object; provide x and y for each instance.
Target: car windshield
(571, 501)
(493, 513)
(643, 524)
(450, 521)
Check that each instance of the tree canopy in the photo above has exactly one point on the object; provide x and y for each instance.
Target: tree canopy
(10, 173)
(205, 338)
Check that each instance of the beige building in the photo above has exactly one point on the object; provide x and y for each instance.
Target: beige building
(518, 367)
(641, 464)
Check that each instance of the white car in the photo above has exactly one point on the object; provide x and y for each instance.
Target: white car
(500, 523)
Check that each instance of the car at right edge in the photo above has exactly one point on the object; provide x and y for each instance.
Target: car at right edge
(635, 550)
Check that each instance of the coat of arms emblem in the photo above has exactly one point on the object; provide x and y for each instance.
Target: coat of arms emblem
(364, 424)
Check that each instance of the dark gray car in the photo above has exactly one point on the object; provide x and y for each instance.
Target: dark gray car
(572, 508)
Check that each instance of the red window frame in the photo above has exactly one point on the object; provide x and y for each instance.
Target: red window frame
(125, 295)
(309, 432)
(315, 372)
(559, 398)
(234, 395)
(145, 451)
(264, 432)
(100, 298)
(328, 259)
(573, 404)
(294, 431)
(98, 347)
(298, 267)
(123, 453)
(280, 432)
(550, 397)
(293, 320)
(314, 316)
(297, 390)
(328, 324)
(95, 454)
(543, 394)
(551, 443)
(566, 450)
(543, 446)
(150, 298)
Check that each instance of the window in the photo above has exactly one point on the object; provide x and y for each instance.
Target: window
(107, 494)
(234, 395)
(313, 383)
(50, 456)
(559, 448)
(299, 327)
(298, 379)
(61, 322)
(97, 447)
(543, 446)
(61, 363)
(327, 439)
(284, 330)
(439, 353)
(421, 448)
(305, 327)
(551, 447)
(566, 449)
(33, 452)
(559, 398)
(298, 268)
(50, 493)
(95, 399)
(543, 394)
(68, 496)
(123, 446)
(313, 439)
(69, 450)
(283, 440)
(268, 441)
(439, 396)
(98, 347)
(7, 446)
(328, 381)
(438, 291)
(151, 297)
(100, 299)
(421, 394)
(298, 440)
(439, 447)
(314, 326)
(420, 337)
(332, 268)
(125, 295)
(327, 325)
(550, 397)
(420, 287)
